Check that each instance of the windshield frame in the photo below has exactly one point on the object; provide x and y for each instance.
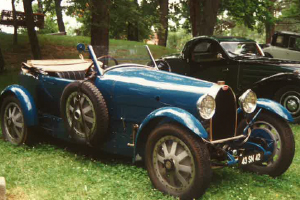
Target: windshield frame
(233, 55)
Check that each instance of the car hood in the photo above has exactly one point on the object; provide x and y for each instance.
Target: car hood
(270, 61)
(145, 87)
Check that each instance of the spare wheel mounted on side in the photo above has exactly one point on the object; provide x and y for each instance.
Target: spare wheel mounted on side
(85, 113)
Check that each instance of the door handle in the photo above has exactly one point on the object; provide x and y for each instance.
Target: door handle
(225, 70)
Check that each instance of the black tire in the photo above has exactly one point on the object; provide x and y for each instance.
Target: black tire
(289, 97)
(196, 162)
(13, 125)
(268, 55)
(284, 145)
(93, 129)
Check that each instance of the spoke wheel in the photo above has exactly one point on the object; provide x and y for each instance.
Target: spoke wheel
(12, 121)
(84, 120)
(277, 138)
(174, 163)
(289, 97)
(85, 116)
(177, 162)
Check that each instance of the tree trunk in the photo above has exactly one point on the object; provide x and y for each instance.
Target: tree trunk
(60, 22)
(270, 26)
(162, 32)
(100, 26)
(195, 16)
(15, 39)
(209, 19)
(34, 43)
(203, 16)
(2, 63)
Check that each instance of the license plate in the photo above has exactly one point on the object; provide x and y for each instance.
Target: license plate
(251, 158)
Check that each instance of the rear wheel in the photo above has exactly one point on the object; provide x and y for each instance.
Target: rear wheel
(13, 126)
(289, 97)
(274, 135)
(177, 162)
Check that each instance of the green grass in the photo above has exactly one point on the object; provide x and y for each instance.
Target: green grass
(56, 170)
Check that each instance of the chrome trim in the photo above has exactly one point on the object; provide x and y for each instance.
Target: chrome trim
(228, 139)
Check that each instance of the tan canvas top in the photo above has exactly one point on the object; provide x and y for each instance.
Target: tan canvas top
(61, 65)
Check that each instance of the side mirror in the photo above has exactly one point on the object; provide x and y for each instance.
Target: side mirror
(220, 56)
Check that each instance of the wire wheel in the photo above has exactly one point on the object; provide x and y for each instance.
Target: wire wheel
(83, 120)
(173, 163)
(14, 123)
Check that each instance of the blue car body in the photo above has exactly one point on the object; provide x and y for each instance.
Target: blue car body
(134, 95)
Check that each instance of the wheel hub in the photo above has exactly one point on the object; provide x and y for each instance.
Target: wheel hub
(77, 114)
(9, 122)
(169, 165)
(292, 105)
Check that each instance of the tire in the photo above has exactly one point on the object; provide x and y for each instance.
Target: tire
(268, 55)
(188, 150)
(13, 127)
(278, 131)
(289, 97)
(92, 126)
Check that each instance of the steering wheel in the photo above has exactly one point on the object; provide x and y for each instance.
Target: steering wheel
(102, 59)
(163, 65)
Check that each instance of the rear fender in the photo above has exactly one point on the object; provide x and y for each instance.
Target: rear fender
(165, 115)
(26, 101)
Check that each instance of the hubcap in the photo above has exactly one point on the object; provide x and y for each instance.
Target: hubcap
(14, 123)
(88, 114)
(173, 163)
(291, 100)
(272, 139)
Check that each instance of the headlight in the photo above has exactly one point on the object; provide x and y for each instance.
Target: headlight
(248, 101)
(206, 106)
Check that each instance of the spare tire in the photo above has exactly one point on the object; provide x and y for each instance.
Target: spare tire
(85, 113)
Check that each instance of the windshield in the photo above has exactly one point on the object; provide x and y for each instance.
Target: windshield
(242, 48)
(122, 54)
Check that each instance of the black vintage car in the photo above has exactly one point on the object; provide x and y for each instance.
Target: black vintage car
(241, 63)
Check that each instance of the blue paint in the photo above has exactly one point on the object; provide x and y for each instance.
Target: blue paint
(26, 101)
(275, 107)
(179, 115)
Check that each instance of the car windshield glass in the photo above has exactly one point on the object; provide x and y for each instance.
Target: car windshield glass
(122, 54)
(241, 48)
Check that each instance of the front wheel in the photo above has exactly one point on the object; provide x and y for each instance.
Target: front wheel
(177, 163)
(274, 135)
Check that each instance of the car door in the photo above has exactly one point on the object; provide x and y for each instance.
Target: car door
(208, 61)
(294, 48)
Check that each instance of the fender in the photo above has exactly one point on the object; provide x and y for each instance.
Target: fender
(175, 114)
(26, 101)
(274, 107)
(286, 77)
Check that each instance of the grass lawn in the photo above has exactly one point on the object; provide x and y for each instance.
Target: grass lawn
(53, 169)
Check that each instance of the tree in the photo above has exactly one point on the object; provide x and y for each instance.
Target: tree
(34, 43)
(203, 16)
(60, 22)
(162, 30)
(15, 39)
(100, 26)
(269, 24)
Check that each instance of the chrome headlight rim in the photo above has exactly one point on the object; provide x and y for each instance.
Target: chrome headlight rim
(202, 106)
(248, 101)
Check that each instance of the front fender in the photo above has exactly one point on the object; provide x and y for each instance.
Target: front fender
(274, 107)
(174, 114)
(26, 102)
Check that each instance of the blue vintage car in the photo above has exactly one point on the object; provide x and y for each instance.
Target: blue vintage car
(181, 127)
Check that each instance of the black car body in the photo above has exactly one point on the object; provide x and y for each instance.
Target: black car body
(241, 63)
